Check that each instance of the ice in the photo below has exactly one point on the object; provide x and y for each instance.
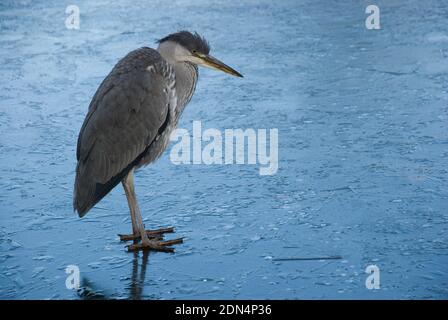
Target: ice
(363, 149)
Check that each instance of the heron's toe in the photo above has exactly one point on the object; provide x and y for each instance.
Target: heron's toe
(152, 234)
(164, 246)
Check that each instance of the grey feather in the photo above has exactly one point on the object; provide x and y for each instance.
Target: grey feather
(191, 41)
(125, 116)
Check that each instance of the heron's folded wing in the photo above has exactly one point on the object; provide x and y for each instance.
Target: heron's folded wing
(124, 116)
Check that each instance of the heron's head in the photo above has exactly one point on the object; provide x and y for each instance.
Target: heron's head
(184, 46)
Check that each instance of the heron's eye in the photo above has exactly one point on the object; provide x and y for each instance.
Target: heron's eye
(194, 52)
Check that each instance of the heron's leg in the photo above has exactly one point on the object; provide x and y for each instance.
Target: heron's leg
(148, 239)
(137, 222)
(128, 187)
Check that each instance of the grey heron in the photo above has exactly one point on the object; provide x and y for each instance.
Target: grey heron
(130, 119)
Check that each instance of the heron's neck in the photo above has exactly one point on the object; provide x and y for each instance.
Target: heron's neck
(186, 79)
(186, 73)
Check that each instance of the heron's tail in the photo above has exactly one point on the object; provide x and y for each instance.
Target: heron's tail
(88, 192)
(84, 191)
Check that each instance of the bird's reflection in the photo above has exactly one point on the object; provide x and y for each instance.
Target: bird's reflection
(138, 276)
(90, 291)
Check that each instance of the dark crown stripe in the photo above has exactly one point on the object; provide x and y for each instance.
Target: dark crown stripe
(188, 40)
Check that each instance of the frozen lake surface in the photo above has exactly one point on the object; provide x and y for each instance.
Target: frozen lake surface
(363, 148)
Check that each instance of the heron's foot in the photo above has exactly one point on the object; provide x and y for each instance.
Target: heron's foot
(152, 234)
(152, 241)
(164, 246)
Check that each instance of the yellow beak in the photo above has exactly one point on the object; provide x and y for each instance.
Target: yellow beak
(213, 63)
